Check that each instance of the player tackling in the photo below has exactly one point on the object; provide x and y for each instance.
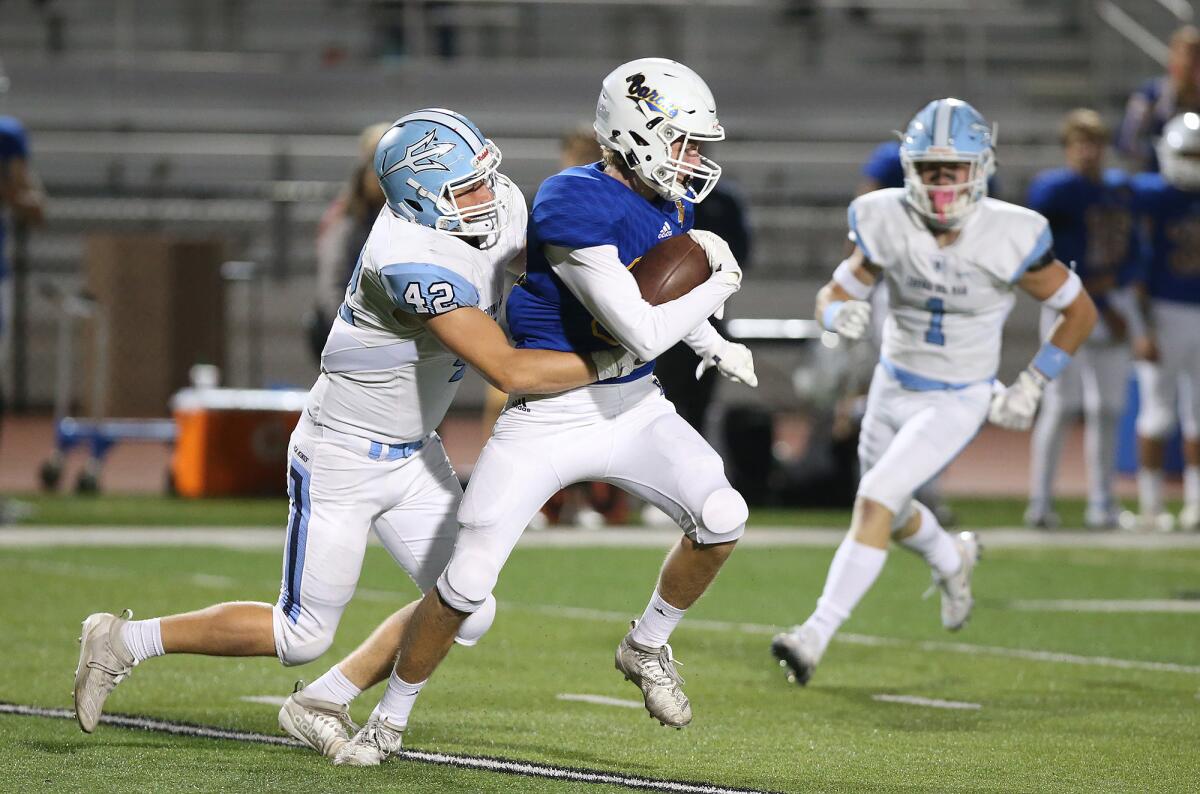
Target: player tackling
(365, 454)
(588, 225)
(951, 258)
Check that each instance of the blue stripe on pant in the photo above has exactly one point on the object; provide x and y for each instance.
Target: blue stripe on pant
(293, 558)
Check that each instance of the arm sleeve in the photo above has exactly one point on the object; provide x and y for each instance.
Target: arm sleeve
(704, 339)
(608, 291)
(425, 289)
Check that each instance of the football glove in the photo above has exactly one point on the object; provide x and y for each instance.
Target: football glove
(852, 320)
(614, 362)
(720, 258)
(732, 360)
(1013, 408)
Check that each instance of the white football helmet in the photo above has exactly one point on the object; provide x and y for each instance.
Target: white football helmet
(1179, 151)
(644, 107)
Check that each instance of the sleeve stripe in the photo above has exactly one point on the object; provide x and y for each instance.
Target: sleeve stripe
(1040, 249)
(395, 276)
(855, 237)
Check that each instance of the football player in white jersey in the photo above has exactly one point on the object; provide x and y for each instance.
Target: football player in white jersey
(951, 258)
(365, 454)
(588, 226)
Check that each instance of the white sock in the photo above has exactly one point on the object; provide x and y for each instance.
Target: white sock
(143, 638)
(933, 543)
(398, 700)
(1191, 486)
(657, 623)
(854, 569)
(333, 687)
(1150, 491)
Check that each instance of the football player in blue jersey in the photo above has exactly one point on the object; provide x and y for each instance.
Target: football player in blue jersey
(588, 226)
(1167, 339)
(365, 455)
(1091, 217)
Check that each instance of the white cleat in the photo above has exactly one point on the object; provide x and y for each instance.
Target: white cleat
(798, 651)
(957, 600)
(323, 726)
(104, 662)
(375, 742)
(1189, 518)
(1098, 518)
(653, 671)
(1146, 522)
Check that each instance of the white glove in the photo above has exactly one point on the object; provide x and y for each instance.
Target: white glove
(720, 260)
(732, 360)
(851, 320)
(1013, 408)
(614, 362)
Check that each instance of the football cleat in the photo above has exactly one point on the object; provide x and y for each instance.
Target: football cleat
(1041, 519)
(798, 652)
(323, 726)
(104, 662)
(956, 588)
(653, 671)
(1146, 522)
(375, 742)
(1189, 518)
(1096, 517)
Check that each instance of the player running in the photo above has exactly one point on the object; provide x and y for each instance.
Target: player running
(365, 454)
(1167, 339)
(589, 225)
(1090, 212)
(952, 259)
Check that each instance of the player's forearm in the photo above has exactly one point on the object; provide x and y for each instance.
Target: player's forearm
(703, 338)
(538, 371)
(1075, 325)
(829, 294)
(651, 332)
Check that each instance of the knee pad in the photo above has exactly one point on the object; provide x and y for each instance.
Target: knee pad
(477, 623)
(467, 582)
(303, 640)
(1154, 419)
(723, 517)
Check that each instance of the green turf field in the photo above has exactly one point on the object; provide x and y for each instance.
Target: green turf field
(1075, 724)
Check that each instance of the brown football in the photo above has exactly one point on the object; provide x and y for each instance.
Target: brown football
(671, 269)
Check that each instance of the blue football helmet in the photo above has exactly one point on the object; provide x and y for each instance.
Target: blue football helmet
(428, 156)
(947, 131)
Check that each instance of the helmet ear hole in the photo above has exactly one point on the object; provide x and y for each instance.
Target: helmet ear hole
(415, 205)
(638, 139)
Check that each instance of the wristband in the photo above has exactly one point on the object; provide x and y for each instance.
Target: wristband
(830, 314)
(1051, 360)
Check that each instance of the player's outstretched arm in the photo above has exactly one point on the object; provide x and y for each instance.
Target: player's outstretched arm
(1060, 289)
(607, 290)
(842, 304)
(475, 338)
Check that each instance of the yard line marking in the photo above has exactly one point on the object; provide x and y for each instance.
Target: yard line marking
(478, 762)
(600, 700)
(937, 646)
(256, 538)
(933, 703)
(1107, 605)
(270, 700)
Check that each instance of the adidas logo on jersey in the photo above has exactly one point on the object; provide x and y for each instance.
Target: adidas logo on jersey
(666, 231)
(519, 404)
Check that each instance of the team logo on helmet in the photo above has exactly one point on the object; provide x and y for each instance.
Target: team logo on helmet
(422, 155)
(642, 94)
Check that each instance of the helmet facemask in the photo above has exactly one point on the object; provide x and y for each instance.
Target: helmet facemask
(479, 220)
(674, 178)
(1179, 152)
(946, 206)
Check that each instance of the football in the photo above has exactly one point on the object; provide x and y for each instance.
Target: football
(671, 269)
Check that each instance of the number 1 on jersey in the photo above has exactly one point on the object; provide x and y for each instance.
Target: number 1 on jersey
(937, 310)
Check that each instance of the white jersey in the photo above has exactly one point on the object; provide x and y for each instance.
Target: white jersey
(947, 305)
(383, 375)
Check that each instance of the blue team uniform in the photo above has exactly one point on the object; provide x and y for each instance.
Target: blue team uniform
(883, 166)
(14, 145)
(582, 207)
(1171, 238)
(1092, 222)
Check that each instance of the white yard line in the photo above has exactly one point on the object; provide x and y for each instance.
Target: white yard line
(500, 765)
(1107, 605)
(600, 700)
(268, 700)
(253, 538)
(933, 703)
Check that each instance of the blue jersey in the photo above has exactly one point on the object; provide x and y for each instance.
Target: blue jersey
(1092, 222)
(883, 166)
(1170, 220)
(582, 207)
(14, 145)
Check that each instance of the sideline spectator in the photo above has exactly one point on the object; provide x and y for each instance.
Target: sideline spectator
(1160, 99)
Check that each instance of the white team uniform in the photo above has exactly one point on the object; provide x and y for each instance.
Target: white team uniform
(941, 340)
(365, 454)
(1094, 383)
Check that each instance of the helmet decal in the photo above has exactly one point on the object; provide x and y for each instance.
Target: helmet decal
(422, 155)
